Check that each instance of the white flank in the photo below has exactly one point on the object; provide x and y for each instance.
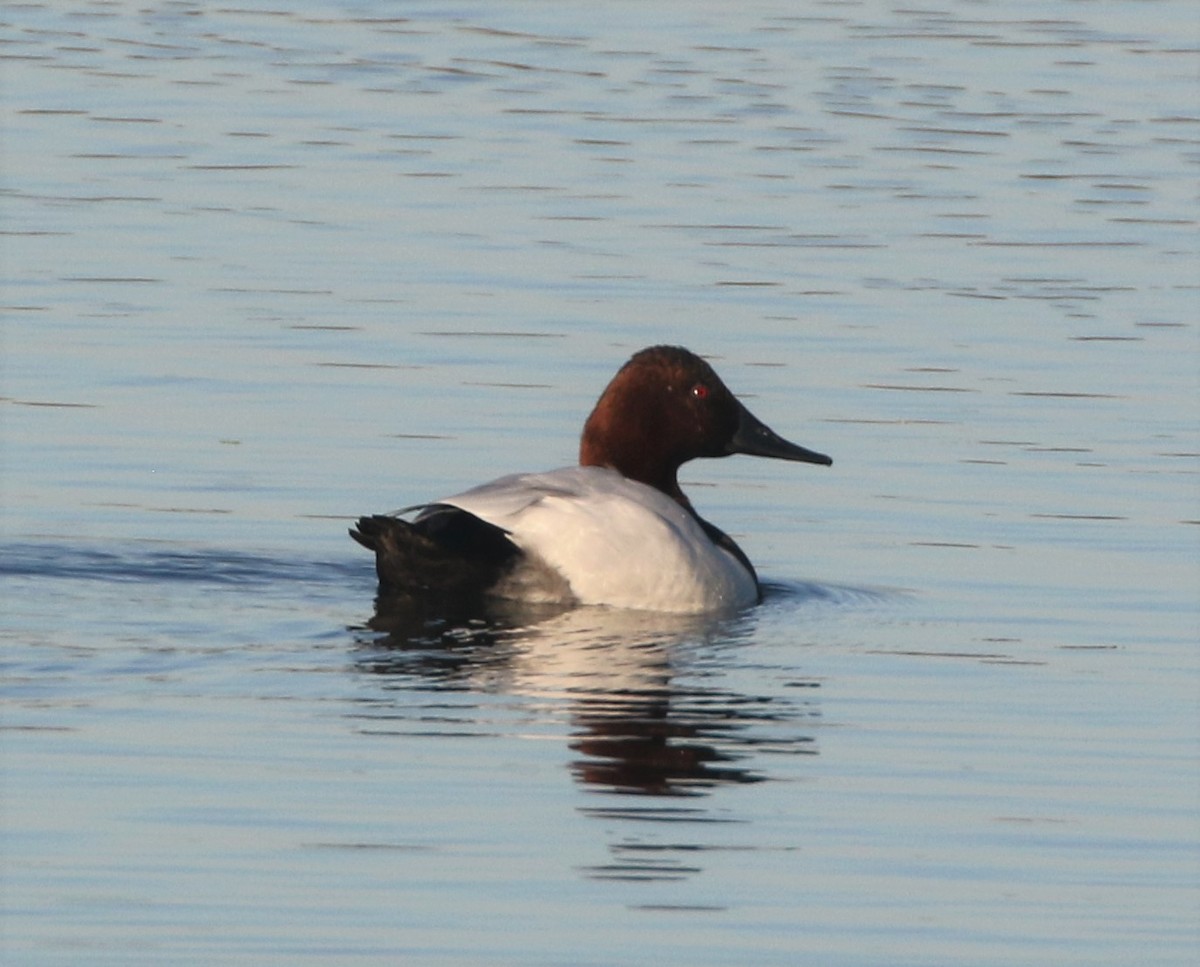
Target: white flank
(615, 541)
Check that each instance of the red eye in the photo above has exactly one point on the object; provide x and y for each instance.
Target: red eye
(700, 391)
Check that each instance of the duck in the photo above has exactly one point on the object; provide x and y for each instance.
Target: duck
(616, 530)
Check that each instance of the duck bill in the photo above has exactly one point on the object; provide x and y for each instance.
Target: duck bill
(755, 438)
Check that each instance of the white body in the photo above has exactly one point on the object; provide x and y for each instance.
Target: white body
(612, 540)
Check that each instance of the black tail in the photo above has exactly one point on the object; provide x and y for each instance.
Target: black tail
(445, 551)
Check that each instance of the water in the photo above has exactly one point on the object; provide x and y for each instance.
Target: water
(268, 270)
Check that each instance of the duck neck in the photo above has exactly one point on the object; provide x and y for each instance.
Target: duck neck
(637, 466)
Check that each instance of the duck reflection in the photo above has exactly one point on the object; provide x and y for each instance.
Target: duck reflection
(635, 744)
(644, 719)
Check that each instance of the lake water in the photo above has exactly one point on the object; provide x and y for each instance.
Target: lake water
(267, 270)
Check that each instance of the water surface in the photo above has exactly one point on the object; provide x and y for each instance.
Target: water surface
(267, 270)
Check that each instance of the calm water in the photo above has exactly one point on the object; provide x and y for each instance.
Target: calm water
(265, 271)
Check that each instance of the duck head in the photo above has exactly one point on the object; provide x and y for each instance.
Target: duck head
(667, 406)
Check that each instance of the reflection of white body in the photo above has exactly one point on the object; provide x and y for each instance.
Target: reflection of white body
(614, 541)
(607, 653)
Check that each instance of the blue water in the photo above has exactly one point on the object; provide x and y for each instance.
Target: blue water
(268, 270)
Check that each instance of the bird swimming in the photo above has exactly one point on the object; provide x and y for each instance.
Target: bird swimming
(615, 530)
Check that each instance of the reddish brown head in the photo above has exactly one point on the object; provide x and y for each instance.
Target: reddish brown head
(667, 406)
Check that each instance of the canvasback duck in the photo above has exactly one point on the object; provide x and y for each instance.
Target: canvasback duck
(615, 530)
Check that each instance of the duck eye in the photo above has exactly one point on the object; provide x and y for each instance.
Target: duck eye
(700, 391)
